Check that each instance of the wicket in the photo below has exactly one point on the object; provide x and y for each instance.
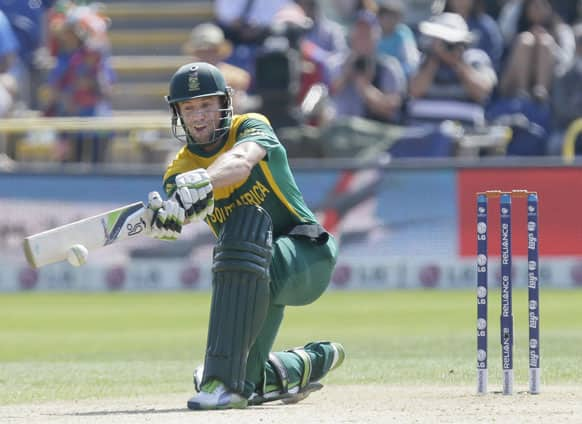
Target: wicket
(506, 319)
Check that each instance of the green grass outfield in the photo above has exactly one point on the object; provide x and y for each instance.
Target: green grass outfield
(80, 346)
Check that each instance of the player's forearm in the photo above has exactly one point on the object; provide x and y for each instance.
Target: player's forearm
(229, 169)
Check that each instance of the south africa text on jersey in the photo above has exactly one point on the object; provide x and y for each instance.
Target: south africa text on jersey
(255, 196)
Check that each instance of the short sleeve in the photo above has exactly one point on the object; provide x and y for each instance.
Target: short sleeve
(393, 79)
(480, 61)
(258, 131)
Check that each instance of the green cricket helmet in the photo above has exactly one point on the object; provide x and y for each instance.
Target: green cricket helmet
(195, 80)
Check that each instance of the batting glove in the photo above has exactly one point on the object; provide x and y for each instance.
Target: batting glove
(167, 217)
(194, 194)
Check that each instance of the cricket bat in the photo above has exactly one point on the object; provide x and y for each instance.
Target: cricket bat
(94, 232)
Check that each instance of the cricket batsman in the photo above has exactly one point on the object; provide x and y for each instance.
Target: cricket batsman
(271, 252)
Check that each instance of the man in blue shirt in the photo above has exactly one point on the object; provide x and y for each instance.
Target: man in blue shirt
(364, 83)
(27, 19)
(8, 52)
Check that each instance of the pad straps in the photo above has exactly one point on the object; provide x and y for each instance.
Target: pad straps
(280, 371)
(304, 356)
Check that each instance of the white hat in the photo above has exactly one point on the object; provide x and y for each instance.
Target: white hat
(449, 27)
(207, 36)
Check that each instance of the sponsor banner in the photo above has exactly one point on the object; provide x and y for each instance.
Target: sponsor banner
(374, 212)
(405, 273)
(351, 273)
(560, 226)
(135, 275)
(369, 211)
(392, 233)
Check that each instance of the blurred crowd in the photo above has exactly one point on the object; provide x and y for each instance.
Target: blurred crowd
(418, 65)
(56, 59)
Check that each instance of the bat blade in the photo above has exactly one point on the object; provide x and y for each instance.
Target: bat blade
(94, 232)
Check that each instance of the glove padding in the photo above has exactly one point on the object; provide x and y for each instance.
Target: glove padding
(166, 217)
(194, 194)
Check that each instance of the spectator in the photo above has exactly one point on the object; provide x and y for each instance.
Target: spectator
(570, 11)
(28, 20)
(345, 11)
(364, 83)
(493, 7)
(367, 5)
(207, 44)
(421, 10)
(318, 42)
(543, 48)
(567, 98)
(324, 33)
(485, 31)
(55, 21)
(566, 9)
(8, 94)
(246, 23)
(507, 20)
(8, 52)
(8, 44)
(80, 83)
(287, 67)
(453, 81)
(397, 38)
(322, 42)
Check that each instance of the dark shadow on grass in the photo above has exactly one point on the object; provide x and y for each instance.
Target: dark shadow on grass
(156, 411)
(126, 412)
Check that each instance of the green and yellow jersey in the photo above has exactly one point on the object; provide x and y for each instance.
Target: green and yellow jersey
(270, 185)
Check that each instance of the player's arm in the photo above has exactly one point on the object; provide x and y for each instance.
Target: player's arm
(194, 189)
(236, 164)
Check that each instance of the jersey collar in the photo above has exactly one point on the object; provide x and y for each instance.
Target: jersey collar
(199, 151)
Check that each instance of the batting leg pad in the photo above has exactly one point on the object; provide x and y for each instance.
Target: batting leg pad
(240, 294)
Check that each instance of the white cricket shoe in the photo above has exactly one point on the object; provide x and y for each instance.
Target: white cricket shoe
(294, 395)
(214, 395)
